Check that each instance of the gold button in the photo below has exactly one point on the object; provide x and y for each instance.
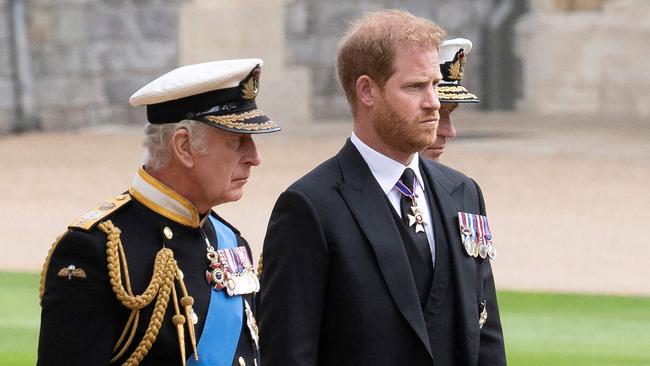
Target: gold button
(120, 197)
(241, 361)
(168, 233)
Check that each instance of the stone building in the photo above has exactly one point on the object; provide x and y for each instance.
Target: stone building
(586, 57)
(82, 59)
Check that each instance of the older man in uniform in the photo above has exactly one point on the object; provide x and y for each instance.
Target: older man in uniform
(453, 55)
(153, 276)
(378, 257)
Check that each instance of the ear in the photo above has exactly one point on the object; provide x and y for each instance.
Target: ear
(367, 90)
(180, 146)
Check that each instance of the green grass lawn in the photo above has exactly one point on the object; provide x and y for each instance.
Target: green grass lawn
(540, 329)
(19, 318)
(575, 330)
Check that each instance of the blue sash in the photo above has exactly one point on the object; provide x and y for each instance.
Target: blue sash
(223, 324)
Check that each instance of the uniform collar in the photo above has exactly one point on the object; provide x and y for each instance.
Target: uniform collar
(164, 200)
(385, 170)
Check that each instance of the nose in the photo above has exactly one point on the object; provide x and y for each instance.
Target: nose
(251, 156)
(445, 125)
(431, 100)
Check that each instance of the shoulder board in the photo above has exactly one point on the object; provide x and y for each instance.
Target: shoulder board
(88, 220)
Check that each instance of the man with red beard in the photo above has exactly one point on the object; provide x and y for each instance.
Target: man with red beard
(453, 54)
(370, 258)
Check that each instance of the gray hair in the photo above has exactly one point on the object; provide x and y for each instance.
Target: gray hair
(157, 141)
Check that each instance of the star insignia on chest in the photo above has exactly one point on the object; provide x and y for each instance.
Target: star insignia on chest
(416, 218)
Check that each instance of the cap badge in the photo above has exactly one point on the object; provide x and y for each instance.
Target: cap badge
(251, 85)
(456, 67)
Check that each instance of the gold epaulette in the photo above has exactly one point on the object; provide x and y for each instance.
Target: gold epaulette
(88, 220)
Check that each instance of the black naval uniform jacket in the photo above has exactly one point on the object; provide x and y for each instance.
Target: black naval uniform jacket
(337, 288)
(81, 318)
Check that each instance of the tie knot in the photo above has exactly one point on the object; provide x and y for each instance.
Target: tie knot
(408, 178)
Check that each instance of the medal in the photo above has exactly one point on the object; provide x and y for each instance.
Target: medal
(242, 279)
(487, 236)
(476, 236)
(231, 269)
(467, 241)
(466, 233)
(215, 275)
(480, 228)
(482, 250)
(415, 218)
(492, 251)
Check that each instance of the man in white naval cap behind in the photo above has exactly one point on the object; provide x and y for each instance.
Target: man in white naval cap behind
(453, 55)
(154, 276)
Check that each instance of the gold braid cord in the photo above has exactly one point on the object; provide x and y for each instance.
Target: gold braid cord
(165, 272)
(46, 265)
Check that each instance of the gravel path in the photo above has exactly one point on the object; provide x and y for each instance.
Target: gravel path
(567, 197)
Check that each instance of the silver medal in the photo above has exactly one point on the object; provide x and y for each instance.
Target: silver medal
(467, 243)
(482, 250)
(492, 251)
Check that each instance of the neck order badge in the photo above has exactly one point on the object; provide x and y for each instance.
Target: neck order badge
(415, 218)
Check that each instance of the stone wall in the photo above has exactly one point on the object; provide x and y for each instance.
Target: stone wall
(216, 30)
(6, 85)
(89, 56)
(313, 28)
(587, 62)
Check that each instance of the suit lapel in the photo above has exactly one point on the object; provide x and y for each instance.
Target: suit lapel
(450, 196)
(367, 203)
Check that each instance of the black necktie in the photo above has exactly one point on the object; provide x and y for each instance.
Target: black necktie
(419, 238)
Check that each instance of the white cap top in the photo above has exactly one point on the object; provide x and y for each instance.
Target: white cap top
(194, 79)
(449, 48)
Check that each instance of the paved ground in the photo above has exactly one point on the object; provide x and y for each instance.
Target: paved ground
(568, 197)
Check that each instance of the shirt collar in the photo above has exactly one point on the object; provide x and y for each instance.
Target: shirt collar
(163, 200)
(385, 170)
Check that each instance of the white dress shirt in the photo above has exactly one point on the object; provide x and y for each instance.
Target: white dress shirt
(387, 172)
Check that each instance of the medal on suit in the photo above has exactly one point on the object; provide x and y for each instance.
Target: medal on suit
(466, 236)
(476, 236)
(486, 234)
(231, 269)
(415, 218)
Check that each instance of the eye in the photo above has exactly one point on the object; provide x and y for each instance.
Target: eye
(417, 86)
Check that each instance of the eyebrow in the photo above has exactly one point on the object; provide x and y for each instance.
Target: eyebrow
(424, 79)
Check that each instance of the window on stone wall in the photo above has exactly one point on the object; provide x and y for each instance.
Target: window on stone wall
(578, 5)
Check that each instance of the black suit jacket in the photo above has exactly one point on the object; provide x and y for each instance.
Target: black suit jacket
(337, 287)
